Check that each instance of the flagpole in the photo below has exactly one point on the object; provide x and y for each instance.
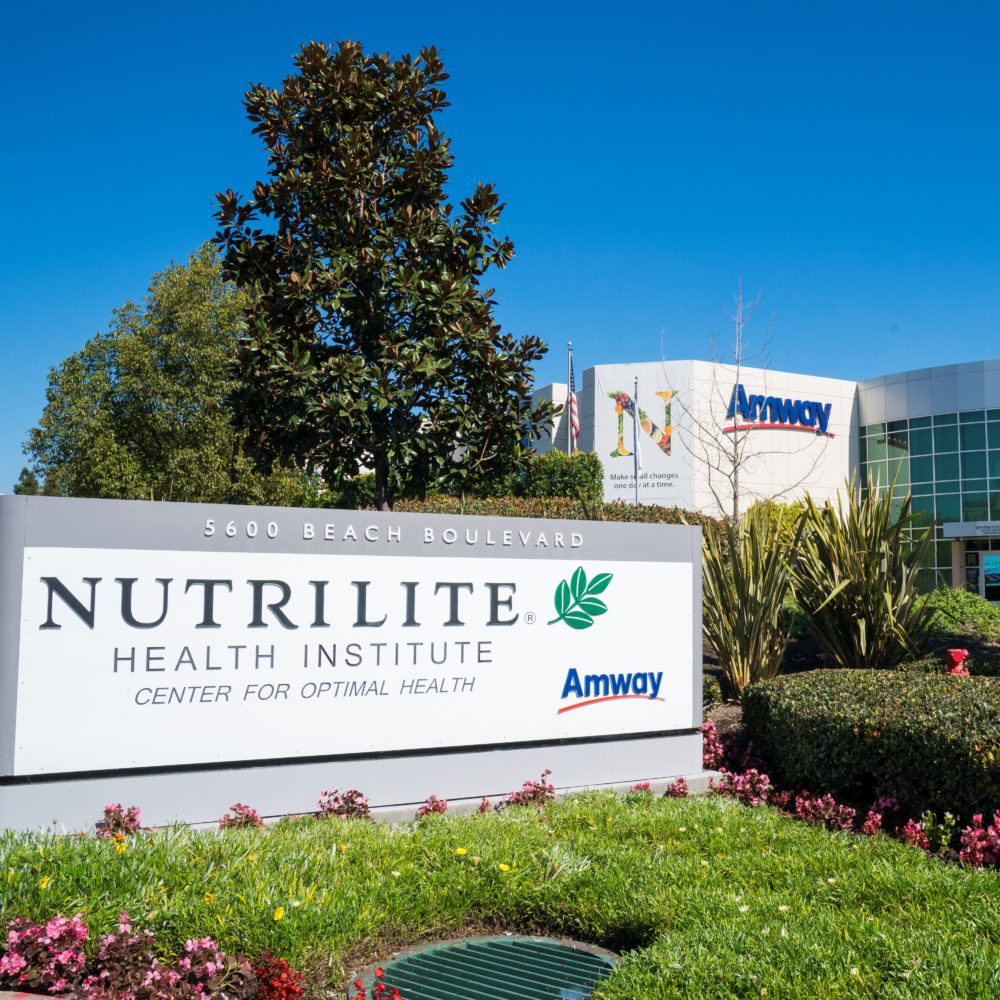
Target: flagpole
(569, 381)
(635, 436)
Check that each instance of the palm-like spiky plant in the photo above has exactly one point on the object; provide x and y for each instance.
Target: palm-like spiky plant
(748, 573)
(857, 578)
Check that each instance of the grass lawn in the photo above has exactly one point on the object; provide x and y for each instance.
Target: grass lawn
(706, 898)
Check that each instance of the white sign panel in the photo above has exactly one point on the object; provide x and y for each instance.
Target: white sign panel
(329, 633)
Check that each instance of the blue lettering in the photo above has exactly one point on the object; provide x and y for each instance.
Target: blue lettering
(620, 683)
(595, 685)
(823, 415)
(655, 680)
(573, 685)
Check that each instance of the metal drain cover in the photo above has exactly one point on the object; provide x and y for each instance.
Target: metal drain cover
(499, 968)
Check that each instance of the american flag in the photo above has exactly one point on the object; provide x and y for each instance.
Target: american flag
(574, 412)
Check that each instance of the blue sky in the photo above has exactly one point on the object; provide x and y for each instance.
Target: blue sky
(840, 158)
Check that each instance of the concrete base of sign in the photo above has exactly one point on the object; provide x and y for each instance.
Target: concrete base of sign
(395, 785)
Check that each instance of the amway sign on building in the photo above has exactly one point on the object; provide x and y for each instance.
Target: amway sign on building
(304, 647)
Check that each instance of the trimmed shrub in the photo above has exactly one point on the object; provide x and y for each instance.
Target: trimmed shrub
(929, 741)
(978, 665)
(964, 614)
(557, 507)
(556, 474)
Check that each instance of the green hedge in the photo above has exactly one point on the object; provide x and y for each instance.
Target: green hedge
(930, 740)
(556, 507)
(556, 474)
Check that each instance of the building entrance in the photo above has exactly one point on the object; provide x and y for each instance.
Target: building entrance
(989, 577)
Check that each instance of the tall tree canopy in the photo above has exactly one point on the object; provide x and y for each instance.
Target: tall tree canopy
(371, 341)
(140, 413)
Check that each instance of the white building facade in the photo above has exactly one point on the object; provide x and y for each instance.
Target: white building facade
(715, 437)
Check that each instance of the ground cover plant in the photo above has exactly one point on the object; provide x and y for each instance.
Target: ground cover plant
(930, 741)
(705, 897)
(964, 615)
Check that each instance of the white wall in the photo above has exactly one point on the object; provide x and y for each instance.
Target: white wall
(692, 471)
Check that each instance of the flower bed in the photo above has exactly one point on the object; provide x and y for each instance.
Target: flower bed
(705, 898)
(932, 742)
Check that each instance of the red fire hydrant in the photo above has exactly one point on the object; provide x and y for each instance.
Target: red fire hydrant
(956, 661)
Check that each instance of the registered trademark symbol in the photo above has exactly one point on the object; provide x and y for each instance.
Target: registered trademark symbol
(529, 617)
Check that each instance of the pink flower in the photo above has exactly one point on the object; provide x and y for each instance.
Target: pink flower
(912, 833)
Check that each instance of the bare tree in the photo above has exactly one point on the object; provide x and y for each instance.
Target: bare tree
(727, 450)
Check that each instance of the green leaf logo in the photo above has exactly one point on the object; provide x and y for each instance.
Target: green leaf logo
(577, 603)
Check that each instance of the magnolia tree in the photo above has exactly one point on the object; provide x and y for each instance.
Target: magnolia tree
(371, 341)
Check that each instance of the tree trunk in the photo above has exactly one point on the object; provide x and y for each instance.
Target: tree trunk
(383, 491)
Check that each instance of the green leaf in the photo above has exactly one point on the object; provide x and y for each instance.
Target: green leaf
(578, 585)
(593, 606)
(578, 619)
(562, 598)
(599, 583)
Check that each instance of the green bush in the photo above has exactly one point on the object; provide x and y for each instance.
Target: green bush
(931, 741)
(711, 692)
(978, 665)
(556, 474)
(963, 614)
(556, 507)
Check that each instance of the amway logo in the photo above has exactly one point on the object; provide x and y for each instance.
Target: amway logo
(596, 688)
(770, 412)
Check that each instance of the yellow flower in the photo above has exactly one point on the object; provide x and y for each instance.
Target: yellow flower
(120, 847)
(343, 847)
(209, 899)
(279, 912)
(461, 850)
(43, 882)
(504, 868)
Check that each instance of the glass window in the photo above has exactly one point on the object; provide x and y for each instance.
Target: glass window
(943, 553)
(923, 510)
(993, 464)
(922, 469)
(922, 489)
(920, 442)
(972, 417)
(899, 471)
(877, 473)
(945, 418)
(973, 485)
(973, 464)
(873, 429)
(895, 426)
(946, 439)
(877, 448)
(897, 445)
(945, 467)
(995, 505)
(994, 432)
(975, 507)
(948, 508)
(926, 421)
(863, 450)
(973, 437)
(993, 414)
(925, 579)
